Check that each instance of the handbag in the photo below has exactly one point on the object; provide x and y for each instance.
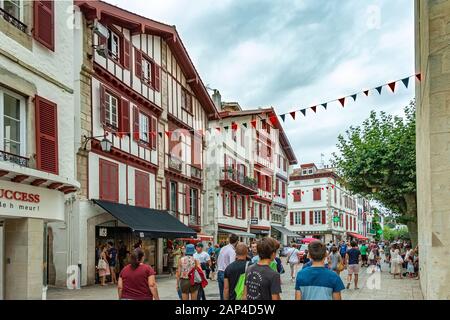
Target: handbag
(101, 264)
(340, 267)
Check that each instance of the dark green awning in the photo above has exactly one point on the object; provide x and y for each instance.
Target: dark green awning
(153, 223)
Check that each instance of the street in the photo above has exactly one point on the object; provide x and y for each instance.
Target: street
(378, 286)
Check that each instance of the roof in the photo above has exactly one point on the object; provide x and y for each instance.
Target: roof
(96, 9)
(153, 223)
(284, 141)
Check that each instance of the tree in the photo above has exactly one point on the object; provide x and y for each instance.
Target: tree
(376, 225)
(391, 234)
(378, 160)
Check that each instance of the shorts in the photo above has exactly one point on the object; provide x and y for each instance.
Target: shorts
(364, 257)
(186, 287)
(353, 269)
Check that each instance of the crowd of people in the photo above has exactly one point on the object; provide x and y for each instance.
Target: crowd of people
(253, 272)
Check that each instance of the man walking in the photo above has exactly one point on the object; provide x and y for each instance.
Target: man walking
(227, 255)
(353, 256)
(293, 260)
(234, 271)
(363, 250)
(205, 263)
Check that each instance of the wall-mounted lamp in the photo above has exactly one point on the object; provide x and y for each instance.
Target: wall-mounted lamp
(105, 144)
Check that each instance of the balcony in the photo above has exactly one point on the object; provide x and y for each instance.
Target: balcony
(13, 158)
(194, 220)
(196, 173)
(237, 181)
(13, 20)
(175, 163)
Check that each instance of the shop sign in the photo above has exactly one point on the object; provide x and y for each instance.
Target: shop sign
(21, 200)
(254, 221)
(102, 232)
(141, 234)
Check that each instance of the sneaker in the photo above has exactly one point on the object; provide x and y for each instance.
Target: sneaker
(348, 285)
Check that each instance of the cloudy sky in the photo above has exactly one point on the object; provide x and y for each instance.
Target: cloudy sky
(292, 54)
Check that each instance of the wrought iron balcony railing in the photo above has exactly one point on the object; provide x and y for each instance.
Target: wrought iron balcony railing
(196, 173)
(175, 163)
(21, 161)
(13, 20)
(194, 220)
(229, 174)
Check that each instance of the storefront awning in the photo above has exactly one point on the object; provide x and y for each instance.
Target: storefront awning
(153, 223)
(357, 236)
(238, 233)
(286, 231)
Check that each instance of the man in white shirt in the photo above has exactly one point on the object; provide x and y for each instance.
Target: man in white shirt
(227, 255)
(205, 263)
(292, 259)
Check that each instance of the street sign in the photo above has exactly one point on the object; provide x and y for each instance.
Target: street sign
(336, 219)
(254, 221)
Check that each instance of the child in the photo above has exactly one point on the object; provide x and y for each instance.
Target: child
(410, 266)
(318, 282)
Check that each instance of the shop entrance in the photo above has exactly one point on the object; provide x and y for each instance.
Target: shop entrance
(2, 259)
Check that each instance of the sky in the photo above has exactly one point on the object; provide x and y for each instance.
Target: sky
(293, 54)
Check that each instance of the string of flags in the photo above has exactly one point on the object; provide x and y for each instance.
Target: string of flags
(294, 193)
(392, 86)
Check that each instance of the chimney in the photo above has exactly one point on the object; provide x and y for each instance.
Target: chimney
(217, 99)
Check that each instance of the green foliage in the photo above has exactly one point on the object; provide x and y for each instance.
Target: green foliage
(377, 227)
(393, 234)
(378, 160)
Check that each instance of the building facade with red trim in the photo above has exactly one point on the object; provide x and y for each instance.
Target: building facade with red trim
(37, 154)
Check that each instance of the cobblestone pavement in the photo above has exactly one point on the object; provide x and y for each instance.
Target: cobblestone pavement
(373, 286)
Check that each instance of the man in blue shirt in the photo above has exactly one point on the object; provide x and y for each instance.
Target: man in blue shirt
(317, 282)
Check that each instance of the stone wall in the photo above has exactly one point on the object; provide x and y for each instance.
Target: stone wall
(433, 145)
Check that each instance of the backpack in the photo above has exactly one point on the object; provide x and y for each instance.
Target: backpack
(240, 285)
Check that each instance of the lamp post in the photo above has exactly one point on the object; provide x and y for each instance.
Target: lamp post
(105, 144)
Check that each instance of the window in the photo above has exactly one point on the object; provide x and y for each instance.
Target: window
(144, 133)
(255, 209)
(173, 196)
(227, 204)
(239, 207)
(147, 70)
(298, 218)
(317, 217)
(13, 8)
(310, 171)
(317, 194)
(194, 202)
(186, 100)
(113, 45)
(305, 172)
(109, 180)
(13, 121)
(284, 164)
(263, 211)
(111, 107)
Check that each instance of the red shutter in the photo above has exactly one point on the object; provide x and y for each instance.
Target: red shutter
(260, 211)
(232, 204)
(157, 77)
(126, 54)
(138, 63)
(244, 215)
(297, 195)
(102, 104)
(44, 30)
(324, 217)
(291, 218)
(311, 217)
(142, 189)
(109, 181)
(224, 208)
(283, 190)
(277, 188)
(46, 135)
(153, 132)
(346, 222)
(136, 124)
(124, 116)
(187, 191)
(303, 217)
(317, 194)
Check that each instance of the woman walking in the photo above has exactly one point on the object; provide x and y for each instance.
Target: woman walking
(336, 260)
(293, 260)
(187, 264)
(103, 266)
(396, 261)
(137, 280)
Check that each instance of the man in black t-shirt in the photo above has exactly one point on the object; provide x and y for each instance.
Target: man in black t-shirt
(234, 271)
(353, 257)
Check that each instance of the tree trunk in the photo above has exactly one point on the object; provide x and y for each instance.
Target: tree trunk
(411, 215)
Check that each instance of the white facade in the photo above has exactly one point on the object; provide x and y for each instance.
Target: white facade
(37, 174)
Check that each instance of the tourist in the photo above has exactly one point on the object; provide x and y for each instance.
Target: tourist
(318, 282)
(353, 256)
(336, 261)
(233, 273)
(254, 252)
(122, 255)
(176, 255)
(263, 283)
(363, 249)
(226, 256)
(342, 249)
(112, 254)
(374, 258)
(210, 250)
(205, 263)
(293, 260)
(137, 280)
(186, 265)
(103, 266)
(396, 261)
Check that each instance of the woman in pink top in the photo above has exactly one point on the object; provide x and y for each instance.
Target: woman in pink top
(137, 280)
(185, 265)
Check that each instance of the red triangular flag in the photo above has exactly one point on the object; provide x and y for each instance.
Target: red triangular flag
(218, 129)
(303, 192)
(366, 93)
(273, 120)
(419, 76)
(392, 86)
(234, 126)
(169, 133)
(314, 109)
(332, 187)
(292, 114)
(253, 122)
(342, 101)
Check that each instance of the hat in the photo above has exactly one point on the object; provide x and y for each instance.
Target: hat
(190, 250)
